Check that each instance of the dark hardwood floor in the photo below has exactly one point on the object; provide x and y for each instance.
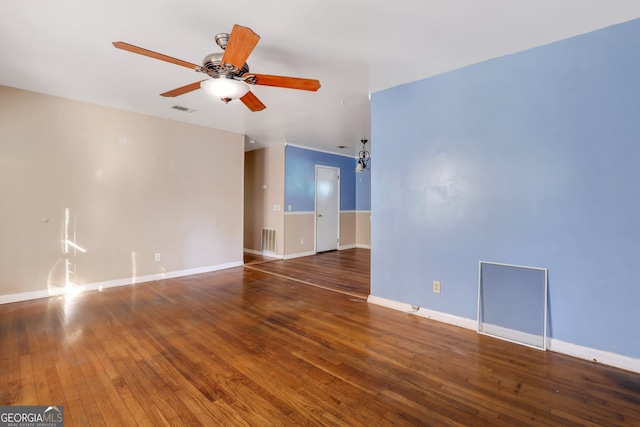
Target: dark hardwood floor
(250, 348)
(344, 271)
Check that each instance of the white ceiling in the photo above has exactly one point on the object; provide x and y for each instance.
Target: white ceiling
(354, 47)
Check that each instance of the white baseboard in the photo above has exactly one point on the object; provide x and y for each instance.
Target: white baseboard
(356, 245)
(423, 312)
(344, 247)
(252, 251)
(447, 318)
(26, 296)
(269, 255)
(299, 255)
(598, 356)
(23, 296)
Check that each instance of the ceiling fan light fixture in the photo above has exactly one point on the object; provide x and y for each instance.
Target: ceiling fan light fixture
(225, 88)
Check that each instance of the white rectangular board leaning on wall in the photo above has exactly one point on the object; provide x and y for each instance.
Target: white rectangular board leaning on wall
(512, 303)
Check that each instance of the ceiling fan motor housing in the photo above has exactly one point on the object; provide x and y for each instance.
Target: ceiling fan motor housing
(222, 39)
(212, 64)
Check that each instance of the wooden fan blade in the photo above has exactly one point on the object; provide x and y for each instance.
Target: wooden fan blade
(252, 102)
(241, 42)
(182, 90)
(156, 55)
(287, 82)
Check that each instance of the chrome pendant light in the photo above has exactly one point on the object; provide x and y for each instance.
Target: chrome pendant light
(363, 158)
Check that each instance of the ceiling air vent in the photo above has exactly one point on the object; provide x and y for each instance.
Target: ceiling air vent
(181, 108)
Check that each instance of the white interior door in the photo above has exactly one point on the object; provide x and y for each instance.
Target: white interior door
(327, 208)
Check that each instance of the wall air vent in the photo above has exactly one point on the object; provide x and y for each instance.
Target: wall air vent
(181, 108)
(268, 241)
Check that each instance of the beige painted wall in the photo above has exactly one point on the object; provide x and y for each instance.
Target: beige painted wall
(133, 186)
(347, 228)
(363, 229)
(299, 234)
(264, 207)
(355, 231)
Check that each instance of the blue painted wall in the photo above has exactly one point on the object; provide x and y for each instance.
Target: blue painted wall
(529, 159)
(300, 173)
(363, 189)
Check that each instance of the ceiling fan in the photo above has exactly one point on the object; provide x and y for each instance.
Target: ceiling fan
(229, 74)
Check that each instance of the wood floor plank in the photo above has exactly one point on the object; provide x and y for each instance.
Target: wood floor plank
(10, 356)
(39, 368)
(341, 271)
(247, 346)
(28, 391)
(269, 379)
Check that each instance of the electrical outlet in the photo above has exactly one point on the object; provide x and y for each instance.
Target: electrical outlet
(302, 241)
(436, 286)
(158, 256)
